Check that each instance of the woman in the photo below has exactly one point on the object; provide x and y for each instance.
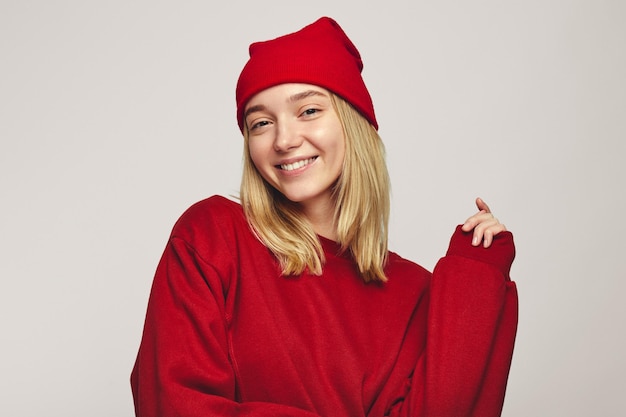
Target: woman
(290, 304)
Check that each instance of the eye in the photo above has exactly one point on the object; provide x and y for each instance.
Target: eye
(310, 111)
(259, 124)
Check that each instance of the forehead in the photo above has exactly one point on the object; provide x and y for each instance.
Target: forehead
(285, 93)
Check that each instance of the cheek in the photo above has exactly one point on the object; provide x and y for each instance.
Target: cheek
(255, 154)
(259, 160)
(340, 146)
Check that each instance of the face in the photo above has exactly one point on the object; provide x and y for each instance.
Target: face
(296, 142)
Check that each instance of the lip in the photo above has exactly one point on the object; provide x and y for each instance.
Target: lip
(297, 160)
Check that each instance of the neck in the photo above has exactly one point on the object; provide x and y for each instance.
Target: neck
(321, 217)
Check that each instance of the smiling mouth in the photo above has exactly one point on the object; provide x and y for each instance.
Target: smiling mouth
(296, 165)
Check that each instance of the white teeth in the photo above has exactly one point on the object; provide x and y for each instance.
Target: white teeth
(296, 165)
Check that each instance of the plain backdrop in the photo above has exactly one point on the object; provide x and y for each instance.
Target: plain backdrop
(115, 116)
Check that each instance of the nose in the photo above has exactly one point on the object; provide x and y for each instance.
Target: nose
(287, 137)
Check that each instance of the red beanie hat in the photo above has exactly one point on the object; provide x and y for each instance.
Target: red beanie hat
(320, 54)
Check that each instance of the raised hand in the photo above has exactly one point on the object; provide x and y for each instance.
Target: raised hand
(484, 225)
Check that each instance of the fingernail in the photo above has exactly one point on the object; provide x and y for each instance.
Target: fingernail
(475, 241)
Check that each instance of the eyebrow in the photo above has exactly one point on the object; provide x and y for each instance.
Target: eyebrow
(291, 99)
(306, 94)
(252, 109)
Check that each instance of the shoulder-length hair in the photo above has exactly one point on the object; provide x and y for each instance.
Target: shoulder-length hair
(362, 202)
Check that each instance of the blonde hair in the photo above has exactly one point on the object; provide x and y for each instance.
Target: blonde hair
(361, 205)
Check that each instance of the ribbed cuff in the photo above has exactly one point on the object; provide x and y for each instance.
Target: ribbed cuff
(500, 254)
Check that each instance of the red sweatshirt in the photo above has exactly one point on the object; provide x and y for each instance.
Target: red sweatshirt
(227, 335)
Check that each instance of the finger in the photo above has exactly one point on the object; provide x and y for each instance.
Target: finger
(480, 203)
(475, 220)
(489, 233)
(483, 229)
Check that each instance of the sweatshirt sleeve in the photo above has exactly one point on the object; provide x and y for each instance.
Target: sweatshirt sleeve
(183, 367)
(472, 325)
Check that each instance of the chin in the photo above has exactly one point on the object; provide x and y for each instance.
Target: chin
(296, 197)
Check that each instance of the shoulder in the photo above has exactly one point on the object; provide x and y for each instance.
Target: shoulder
(214, 209)
(213, 217)
(401, 268)
(215, 205)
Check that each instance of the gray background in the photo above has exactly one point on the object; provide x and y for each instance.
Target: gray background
(117, 115)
